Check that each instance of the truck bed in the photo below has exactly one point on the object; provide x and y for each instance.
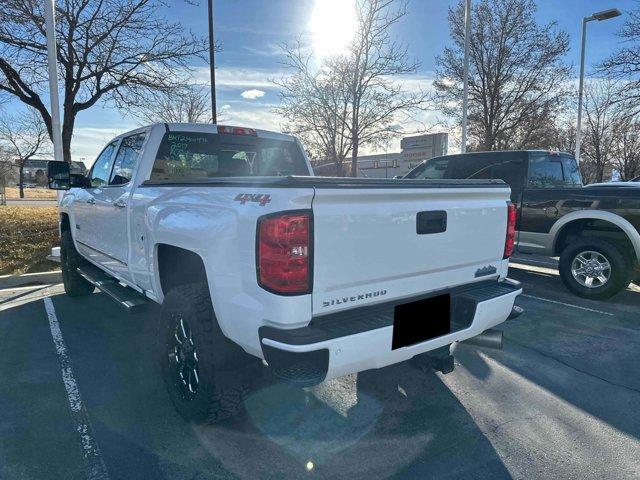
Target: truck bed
(330, 182)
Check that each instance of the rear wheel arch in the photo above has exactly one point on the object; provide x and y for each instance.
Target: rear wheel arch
(602, 225)
(178, 266)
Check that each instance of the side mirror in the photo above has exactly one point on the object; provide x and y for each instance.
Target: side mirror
(79, 181)
(59, 176)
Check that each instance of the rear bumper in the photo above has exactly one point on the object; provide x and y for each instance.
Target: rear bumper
(347, 342)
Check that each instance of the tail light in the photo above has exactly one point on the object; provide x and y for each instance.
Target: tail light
(510, 240)
(284, 253)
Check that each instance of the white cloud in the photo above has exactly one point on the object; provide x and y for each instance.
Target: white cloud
(226, 106)
(231, 77)
(252, 94)
(254, 117)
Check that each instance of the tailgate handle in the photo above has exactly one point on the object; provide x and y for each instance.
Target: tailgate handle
(431, 222)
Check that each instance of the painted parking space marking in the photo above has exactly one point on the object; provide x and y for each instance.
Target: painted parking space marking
(96, 469)
(566, 304)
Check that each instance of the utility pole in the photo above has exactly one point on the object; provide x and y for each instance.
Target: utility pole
(465, 87)
(212, 64)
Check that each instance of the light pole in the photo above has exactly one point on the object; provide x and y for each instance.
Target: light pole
(465, 84)
(599, 16)
(52, 57)
(212, 65)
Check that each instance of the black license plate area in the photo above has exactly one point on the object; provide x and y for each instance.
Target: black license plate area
(422, 320)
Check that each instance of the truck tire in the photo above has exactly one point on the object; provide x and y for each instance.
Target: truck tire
(595, 269)
(74, 284)
(207, 376)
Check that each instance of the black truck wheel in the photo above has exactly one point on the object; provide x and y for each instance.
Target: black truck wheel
(207, 376)
(74, 284)
(595, 269)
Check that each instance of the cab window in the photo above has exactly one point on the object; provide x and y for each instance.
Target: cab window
(571, 171)
(470, 167)
(127, 159)
(101, 169)
(545, 171)
(511, 172)
(433, 169)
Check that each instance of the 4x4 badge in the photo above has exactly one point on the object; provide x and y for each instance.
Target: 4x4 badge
(260, 198)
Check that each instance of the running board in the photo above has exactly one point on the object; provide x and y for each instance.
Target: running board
(126, 297)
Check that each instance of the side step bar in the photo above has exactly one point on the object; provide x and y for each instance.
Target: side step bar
(126, 297)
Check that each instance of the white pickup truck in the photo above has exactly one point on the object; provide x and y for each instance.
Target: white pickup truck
(252, 258)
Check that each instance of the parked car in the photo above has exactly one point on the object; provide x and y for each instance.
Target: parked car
(253, 258)
(594, 230)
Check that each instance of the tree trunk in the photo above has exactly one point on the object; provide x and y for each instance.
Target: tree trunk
(21, 168)
(67, 129)
(354, 157)
(67, 133)
(338, 166)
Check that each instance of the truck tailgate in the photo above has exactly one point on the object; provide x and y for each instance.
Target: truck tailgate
(373, 245)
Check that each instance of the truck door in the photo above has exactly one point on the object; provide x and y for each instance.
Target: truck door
(550, 192)
(112, 208)
(84, 206)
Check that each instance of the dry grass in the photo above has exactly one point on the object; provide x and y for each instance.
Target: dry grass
(26, 237)
(31, 193)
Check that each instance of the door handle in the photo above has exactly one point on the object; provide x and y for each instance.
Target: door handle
(92, 201)
(120, 203)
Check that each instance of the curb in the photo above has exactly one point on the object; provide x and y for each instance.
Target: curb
(40, 278)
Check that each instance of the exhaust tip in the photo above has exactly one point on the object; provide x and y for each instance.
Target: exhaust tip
(515, 312)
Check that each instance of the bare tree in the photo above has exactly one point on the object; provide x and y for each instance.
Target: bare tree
(23, 136)
(516, 74)
(624, 64)
(627, 152)
(373, 64)
(316, 106)
(118, 50)
(353, 99)
(190, 103)
(602, 118)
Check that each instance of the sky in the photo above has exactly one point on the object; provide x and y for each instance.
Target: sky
(250, 32)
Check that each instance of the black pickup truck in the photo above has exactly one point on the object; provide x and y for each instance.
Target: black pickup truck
(595, 231)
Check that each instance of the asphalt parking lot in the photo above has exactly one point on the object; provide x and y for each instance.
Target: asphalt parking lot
(561, 400)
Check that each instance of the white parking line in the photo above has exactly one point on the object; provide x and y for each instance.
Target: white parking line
(567, 304)
(96, 469)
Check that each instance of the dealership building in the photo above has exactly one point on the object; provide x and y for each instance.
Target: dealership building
(415, 150)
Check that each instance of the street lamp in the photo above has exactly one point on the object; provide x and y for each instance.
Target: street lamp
(50, 28)
(599, 16)
(212, 64)
(465, 84)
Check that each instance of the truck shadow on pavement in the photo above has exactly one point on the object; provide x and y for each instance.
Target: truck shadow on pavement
(393, 422)
(578, 374)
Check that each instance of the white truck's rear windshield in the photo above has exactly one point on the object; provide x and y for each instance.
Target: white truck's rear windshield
(185, 156)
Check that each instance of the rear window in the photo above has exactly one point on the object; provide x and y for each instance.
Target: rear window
(185, 156)
(468, 166)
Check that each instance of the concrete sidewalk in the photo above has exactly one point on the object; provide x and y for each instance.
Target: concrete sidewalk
(40, 278)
